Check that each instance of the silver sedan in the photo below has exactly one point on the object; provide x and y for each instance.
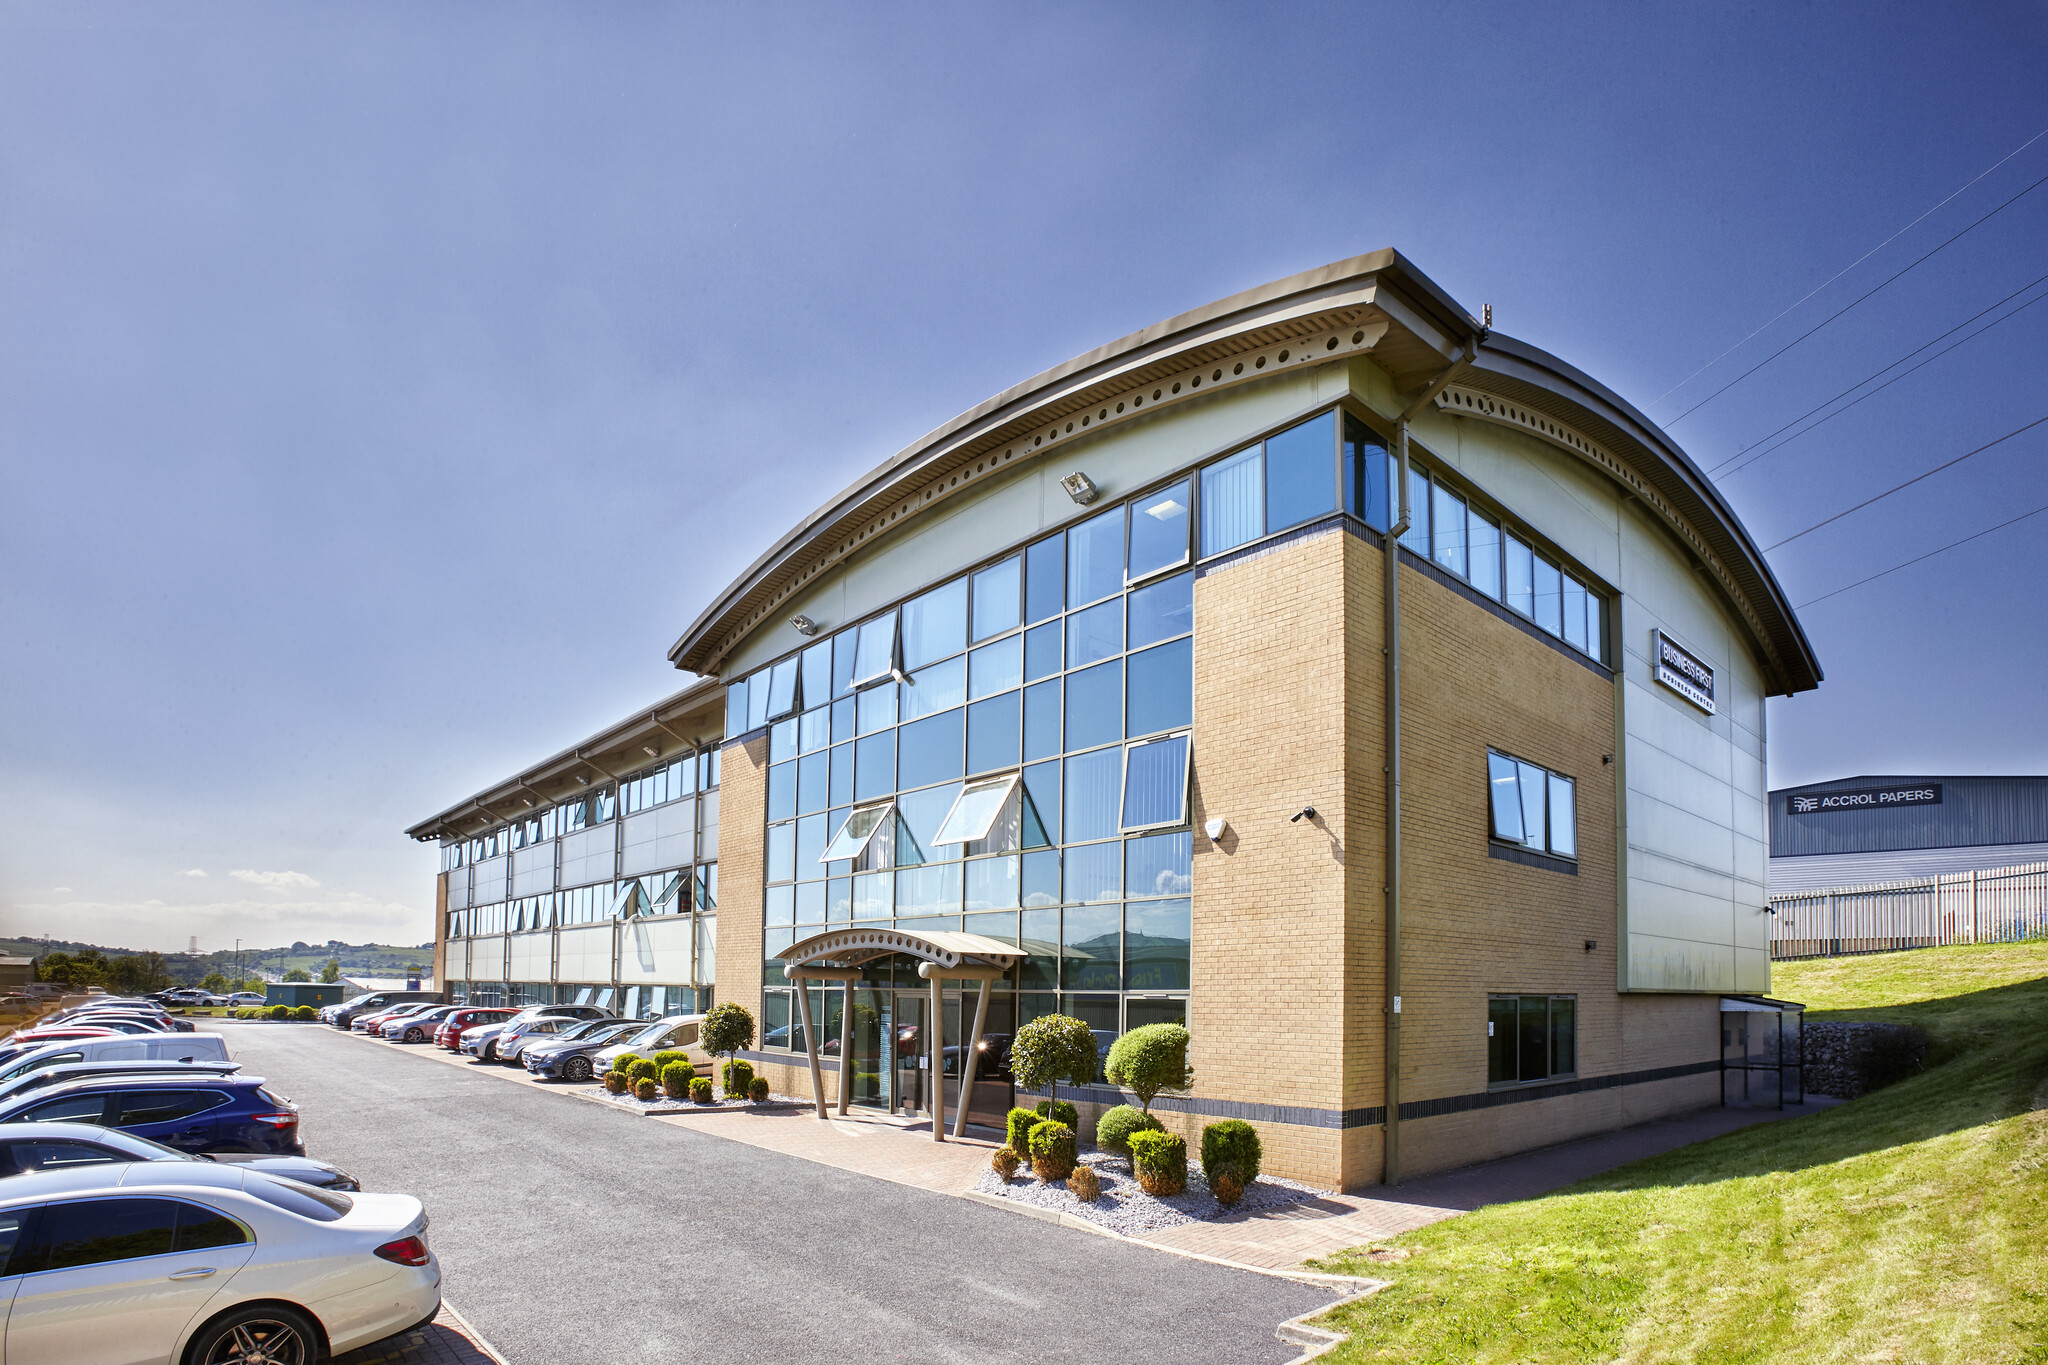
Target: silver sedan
(209, 1265)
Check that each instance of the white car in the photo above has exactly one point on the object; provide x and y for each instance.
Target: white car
(677, 1032)
(208, 1265)
(244, 999)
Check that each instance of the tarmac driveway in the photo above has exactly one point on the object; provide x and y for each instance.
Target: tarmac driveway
(573, 1234)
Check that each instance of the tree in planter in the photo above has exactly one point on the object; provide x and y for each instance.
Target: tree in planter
(1149, 1059)
(727, 1029)
(1050, 1049)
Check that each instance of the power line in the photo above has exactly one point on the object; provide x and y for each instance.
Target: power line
(1843, 271)
(1907, 484)
(1881, 387)
(1853, 302)
(1929, 555)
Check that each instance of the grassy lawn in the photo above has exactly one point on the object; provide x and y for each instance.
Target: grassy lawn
(1909, 1225)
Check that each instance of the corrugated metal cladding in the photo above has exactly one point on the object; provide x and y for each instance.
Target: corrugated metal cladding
(1972, 811)
(1825, 871)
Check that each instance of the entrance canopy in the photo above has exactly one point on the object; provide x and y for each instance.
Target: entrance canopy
(834, 955)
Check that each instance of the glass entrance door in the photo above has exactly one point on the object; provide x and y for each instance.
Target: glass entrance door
(873, 1047)
(912, 1061)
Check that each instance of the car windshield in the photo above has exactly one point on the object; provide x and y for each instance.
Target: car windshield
(322, 1206)
(142, 1149)
(648, 1034)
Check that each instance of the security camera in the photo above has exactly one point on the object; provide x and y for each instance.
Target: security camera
(1306, 812)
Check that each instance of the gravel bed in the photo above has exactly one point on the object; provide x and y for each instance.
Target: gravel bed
(662, 1104)
(1125, 1208)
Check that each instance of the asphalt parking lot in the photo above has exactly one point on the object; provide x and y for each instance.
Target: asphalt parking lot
(573, 1233)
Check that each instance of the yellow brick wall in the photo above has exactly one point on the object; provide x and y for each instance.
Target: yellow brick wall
(742, 818)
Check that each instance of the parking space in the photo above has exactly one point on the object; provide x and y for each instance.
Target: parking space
(572, 1231)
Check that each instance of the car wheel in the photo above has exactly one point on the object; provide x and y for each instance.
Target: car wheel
(413, 1035)
(576, 1069)
(263, 1335)
(490, 1052)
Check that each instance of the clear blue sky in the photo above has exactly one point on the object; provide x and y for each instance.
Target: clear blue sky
(384, 387)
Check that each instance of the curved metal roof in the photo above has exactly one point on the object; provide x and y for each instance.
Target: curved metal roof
(1377, 304)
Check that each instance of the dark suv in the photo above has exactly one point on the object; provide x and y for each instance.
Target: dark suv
(217, 1114)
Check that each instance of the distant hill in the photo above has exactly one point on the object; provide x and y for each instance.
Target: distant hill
(357, 959)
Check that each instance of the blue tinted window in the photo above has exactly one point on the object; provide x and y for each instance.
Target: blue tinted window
(782, 791)
(1042, 792)
(1157, 938)
(843, 713)
(781, 853)
(1095, 633)
(1092, 940)
(810, 898)
(1042, 719)
(1162, 688)
(876, 708)
(935, 689)
(736, 709)
(779, 905)
(845, 646)
(992, 885)
(1417, 536)
(874, 766)
(1042, 651)
(1095, 872)
(781, 745)
(918, 817)
(1159, 531)
(995, 668)
(813, 776)
(1092, 783)
(1045, 578)
(992, 733)
(935, 625)
(1365, 475)
(818, 674)
(1162, 610)
(1095, 558)
(1161, 865)
(1040, 939)
(1095, 705)
(1233, 501)
(1156, 783)
(930, 751)
(931, 890)
(996, 598)
(1041, 878)
(1301, 473)
(842, 774)
(811, 834)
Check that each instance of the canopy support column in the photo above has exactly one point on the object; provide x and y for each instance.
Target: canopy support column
(800, 977)
(970, 1048)
(935, 1051)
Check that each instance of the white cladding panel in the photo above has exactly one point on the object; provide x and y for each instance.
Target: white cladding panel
(490, 881)
(487, 958)
(531, 957)
(655, 950)
(590, 855)
(533, 870)
(458, 888)
(659, 839)
(584, 954)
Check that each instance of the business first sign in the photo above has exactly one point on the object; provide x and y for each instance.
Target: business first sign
(1864, 798)
(1684, 672)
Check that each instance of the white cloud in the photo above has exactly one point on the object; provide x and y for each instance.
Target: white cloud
(193, 872)
(60, 890)
(274, 881)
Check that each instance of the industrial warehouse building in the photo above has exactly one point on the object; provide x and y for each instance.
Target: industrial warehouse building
(1854, 831)
(1153, 689)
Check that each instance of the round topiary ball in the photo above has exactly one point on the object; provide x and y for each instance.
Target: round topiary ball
(1005, 1162)
(1113, 1130)
(646, 1088)
(1084, 1184)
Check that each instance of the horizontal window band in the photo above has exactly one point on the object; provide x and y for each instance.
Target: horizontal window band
(1530, 858)
(1430, 568)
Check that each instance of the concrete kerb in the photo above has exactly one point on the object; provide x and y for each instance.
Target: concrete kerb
(1296, 1331)
(476, 1337)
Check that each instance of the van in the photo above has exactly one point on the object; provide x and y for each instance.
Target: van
(125, 1047)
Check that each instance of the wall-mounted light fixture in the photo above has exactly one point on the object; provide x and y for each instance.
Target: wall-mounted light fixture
(1305, 813)
(582, 781)
(1214, 828)
(1591, 944)
(1079, 487)
(803, 625)
(650, 751)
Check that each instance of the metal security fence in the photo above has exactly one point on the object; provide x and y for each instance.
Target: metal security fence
(1998, 905)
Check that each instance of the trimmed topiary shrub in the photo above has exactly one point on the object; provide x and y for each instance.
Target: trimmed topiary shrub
(645, 1088)
(1059, 1111)
(737, 1077)
(1113, 1130)
(623, 1063)
(1230, 1148)
(643, 1071)
(614, 1083)
(1161, 1163)
(727, 1029)
(1052, 1151)
(1050, 1049)
(1004, 1159)
(1084, 1184)
(305, 1014)
(757, 1089)
(1227, 1188)
(1018, 1131)
(700, 1090)
(1149, 1059)
(667, 1055)
(279, 1012)
(676, 1078)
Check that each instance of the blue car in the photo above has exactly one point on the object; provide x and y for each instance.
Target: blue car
(192, 1114)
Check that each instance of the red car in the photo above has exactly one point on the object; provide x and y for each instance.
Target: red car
(52, 1035)
(450, 1034)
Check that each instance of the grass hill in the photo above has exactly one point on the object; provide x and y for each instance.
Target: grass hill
(357, 959)
(1907, 1225)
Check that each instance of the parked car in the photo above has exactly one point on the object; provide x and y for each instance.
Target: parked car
(30, 1147)
(371, 1023)
(244, 999)
(345, 1014)
(449, 1035)
(566, 1056)
(37, 1036)
(73, 1071)
(202, 1263)
(481, 1042)
(519, 1033)
(677, 1032)
(117, 1047)
(417, 1028)
(218, 1114)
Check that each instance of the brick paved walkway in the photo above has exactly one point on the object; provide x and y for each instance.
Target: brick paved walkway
(444, 1341)
(874, 1144)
